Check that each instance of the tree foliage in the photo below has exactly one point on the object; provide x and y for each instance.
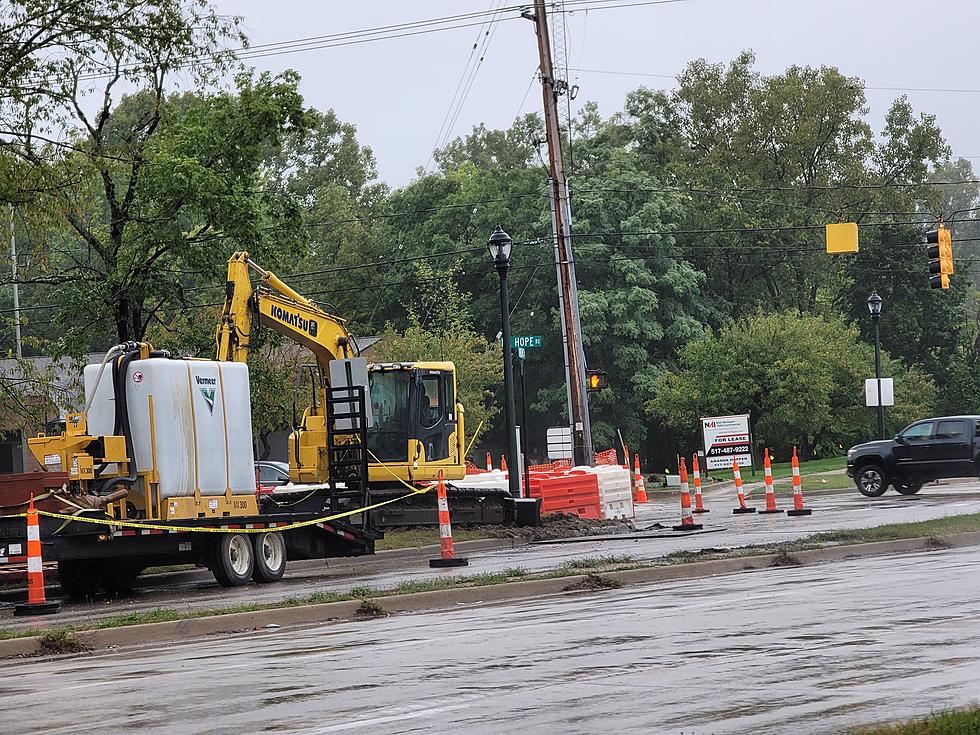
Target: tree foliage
(440, 328)
(800, 379)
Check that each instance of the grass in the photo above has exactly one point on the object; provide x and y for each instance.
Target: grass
(371, 609)
(934, 530)
(592, 562)
(61, 640)
(414, 537)
(936, 527)
(959, 722)
(785, 469)
(829, 482)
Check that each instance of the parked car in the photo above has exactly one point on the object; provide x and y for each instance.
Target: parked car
(272, 474)
(931, 449)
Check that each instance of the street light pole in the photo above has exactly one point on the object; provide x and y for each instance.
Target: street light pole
(500, 246)
(874, 306)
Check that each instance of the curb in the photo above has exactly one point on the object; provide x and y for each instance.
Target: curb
(380, 557)
(346, 610)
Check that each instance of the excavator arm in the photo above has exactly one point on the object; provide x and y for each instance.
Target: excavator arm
(277, 306)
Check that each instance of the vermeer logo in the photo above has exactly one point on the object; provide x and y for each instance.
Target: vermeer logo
(206, 386)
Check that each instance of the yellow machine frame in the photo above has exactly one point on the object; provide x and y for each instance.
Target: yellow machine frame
(280, 307)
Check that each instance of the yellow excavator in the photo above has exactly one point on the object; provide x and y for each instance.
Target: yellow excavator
(416, 423)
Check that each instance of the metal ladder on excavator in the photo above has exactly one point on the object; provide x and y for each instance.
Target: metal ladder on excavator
(347, 452)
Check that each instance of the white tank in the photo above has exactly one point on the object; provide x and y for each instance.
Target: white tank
(202, 422)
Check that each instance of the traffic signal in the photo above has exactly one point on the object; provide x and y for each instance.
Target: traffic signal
(940, 257)
(596, 380)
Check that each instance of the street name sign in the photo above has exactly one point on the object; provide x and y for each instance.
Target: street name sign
(726, 439)
(525, 342)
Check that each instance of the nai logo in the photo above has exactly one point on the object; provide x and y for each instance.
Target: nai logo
(207, 387)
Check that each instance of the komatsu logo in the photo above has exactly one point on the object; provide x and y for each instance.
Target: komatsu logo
(206, 386)
(294, 320)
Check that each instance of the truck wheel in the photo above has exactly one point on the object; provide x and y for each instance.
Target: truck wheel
(270, 557)
(79, 579)
(233, 560)
(871, 480)
(119, 580)
(908, 488)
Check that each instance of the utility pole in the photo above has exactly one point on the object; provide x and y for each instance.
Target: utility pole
(17, 347)
(564, 260)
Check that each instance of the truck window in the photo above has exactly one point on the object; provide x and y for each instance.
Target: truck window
(950, 429)
(918, 432)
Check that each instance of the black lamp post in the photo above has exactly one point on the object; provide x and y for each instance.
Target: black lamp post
(500, 245)
(874, 306)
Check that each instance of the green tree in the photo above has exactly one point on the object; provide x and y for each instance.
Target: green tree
(800, 379)
(764, 162)
(441, 329)
(164, 189)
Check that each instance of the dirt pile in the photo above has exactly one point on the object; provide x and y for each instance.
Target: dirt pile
(560, 525)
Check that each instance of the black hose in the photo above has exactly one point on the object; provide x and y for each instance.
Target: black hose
(121, 426)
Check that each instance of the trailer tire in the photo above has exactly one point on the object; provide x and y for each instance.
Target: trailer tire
(270, 557)
(233, 560)
(120, 579)
(79, 579)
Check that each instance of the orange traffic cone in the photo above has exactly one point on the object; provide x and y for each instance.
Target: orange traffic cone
(489, 462)
(798, 509)
(742, 507)
(687, 520)
(447, 557)
(770, 492)
(626, 456)
(503, 462)
(36, 603)
(698, 500)
(638, 485)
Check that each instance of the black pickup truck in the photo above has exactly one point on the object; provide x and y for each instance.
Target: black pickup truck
(926, 450)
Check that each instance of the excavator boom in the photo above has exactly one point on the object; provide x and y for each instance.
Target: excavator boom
(278, 306)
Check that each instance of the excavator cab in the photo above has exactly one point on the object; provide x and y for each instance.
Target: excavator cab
(417, 422)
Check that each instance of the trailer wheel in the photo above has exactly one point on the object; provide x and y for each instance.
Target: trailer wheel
(270, 557)
(233, 560)
(79, 579)
(119, 579)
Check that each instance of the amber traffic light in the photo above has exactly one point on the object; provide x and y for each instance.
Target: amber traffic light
(940, 252)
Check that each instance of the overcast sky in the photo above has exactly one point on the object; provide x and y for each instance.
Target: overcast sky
(398, 91)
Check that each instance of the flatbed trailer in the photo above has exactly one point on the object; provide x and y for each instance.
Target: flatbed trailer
(101, 553)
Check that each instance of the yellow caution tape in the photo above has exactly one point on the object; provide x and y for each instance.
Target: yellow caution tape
(472, 441)
(194, 529)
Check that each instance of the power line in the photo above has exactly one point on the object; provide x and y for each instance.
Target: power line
(380, 33)
(674, 77)
(809, 187)
(480, 37)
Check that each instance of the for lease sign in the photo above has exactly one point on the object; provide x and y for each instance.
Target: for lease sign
(726, 438)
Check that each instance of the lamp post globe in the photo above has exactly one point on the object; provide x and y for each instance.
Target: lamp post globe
(500, 246)
(874, 304)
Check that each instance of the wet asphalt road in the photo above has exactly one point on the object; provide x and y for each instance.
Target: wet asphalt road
(804, 650)
(832, 511)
